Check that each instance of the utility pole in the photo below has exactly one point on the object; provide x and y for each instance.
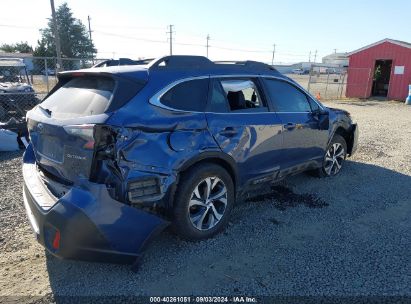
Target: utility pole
(56, 36)
(272, 59)
(89, 33)
(171, 38)
(207, 46)
(309, 57)
(89, 27)
(315, 56)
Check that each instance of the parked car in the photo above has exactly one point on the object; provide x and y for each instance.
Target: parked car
(122, 61)
(49, 72)
(299, 71)
(16, 91)
(177, 141)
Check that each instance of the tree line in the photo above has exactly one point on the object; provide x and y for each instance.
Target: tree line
(74, 39)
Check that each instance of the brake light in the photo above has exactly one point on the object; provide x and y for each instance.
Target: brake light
(77, 74)
(85, 132)
(56, 240)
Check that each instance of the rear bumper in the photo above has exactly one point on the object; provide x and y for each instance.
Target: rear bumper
(85, 223)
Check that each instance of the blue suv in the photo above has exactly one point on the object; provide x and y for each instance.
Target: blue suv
(118, 153)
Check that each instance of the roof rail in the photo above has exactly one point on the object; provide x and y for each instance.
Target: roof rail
(247, 64)
(180, 61)
(143, 61)
(189, 61)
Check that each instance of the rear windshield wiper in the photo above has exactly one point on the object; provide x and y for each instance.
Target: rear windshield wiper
(47, 111)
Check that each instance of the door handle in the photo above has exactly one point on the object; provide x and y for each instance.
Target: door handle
(290, 126)
(228, 132)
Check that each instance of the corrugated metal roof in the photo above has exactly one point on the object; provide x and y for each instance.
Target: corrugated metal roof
(20, 55)
(15, 62)
(397, 42)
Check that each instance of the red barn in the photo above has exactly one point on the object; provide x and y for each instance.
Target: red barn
(380, 69)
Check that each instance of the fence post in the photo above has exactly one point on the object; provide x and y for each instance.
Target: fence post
(326, 86)
(340, 82)
(309, 79)
(46, 72)
(342, 86)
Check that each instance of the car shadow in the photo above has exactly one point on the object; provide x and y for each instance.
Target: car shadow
(5, 156)
(167, 251)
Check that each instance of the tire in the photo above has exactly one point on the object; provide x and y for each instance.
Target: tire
(195, 215)
(334, 157)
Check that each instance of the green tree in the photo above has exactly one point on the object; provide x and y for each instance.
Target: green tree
(74, 38)
(19, 47)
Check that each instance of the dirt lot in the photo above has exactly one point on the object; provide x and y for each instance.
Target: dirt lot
(348, 235)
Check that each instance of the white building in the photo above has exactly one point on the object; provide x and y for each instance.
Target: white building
(339, 59)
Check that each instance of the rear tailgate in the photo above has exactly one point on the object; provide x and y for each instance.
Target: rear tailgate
(59, 152)
(61, 128)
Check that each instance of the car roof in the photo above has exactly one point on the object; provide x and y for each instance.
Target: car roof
(179, 66)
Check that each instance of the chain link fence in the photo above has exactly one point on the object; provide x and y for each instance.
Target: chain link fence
(25, 81)
(332, 83)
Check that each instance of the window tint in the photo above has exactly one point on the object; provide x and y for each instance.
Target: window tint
(188, 96)
(287, 98)
(81, 96)
(237, 94)
(218, 98)
(314, 105)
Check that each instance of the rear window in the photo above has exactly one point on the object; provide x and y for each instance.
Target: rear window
(187, 96)
(81, 96)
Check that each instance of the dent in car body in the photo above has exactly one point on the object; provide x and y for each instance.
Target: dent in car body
(141, 142)
(92, 225)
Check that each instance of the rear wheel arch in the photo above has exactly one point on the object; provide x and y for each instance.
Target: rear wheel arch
(218, 158)
(211, 213)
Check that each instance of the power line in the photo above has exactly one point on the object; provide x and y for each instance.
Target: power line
(129, 37)
(241, 50)
(128, 27)
(171, 41)
(281, 54)
(18, 26)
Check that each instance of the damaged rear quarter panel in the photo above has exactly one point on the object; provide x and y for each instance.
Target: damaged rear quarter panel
(152, 141)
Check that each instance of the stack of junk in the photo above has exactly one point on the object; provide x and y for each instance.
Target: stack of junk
(12, 135)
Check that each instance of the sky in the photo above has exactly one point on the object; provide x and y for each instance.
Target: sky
(238, 30)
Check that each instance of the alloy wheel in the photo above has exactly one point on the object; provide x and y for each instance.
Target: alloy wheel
(208, 203)
(334, 159)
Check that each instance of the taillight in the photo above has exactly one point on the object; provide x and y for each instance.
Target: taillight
(56, 240)
(85, 132)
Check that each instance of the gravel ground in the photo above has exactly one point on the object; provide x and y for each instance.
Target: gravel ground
(343, 236)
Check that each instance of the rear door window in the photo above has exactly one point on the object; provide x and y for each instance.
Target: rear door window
(236, 95)
(81, 96)
(187, 96)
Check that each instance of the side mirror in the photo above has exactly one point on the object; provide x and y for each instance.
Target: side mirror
(322, 117)
(319, 112)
